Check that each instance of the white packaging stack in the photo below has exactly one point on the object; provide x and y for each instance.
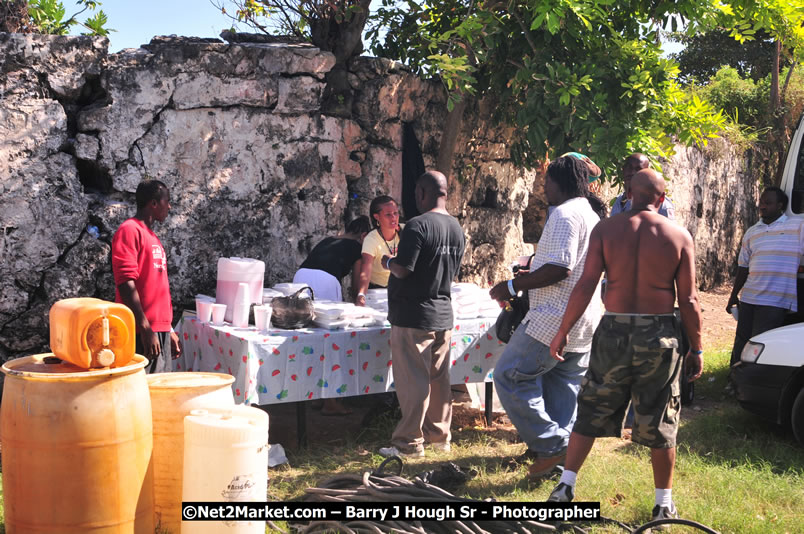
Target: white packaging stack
(377, 299)
(470, 301)
(332, 315)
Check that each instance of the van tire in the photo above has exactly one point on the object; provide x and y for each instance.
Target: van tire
(797, 417)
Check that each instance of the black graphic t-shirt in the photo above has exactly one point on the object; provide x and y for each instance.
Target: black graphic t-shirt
(431, 246)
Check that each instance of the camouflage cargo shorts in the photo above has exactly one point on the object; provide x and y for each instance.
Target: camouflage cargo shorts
(634, 357)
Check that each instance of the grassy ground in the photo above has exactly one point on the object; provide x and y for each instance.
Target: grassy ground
(734, 472)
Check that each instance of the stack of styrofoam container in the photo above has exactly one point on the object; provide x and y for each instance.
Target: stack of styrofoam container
(377, 299)
(470, 301)
(330, 315)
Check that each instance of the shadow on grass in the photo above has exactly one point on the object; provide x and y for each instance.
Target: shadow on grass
(730, 435)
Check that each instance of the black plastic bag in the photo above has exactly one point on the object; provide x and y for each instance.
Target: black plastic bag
(512, 314)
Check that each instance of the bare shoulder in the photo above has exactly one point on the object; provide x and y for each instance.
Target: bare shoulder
(676, 231)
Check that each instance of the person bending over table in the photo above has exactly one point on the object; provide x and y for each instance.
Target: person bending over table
(326, 265)
(332, 259)
(382, 241)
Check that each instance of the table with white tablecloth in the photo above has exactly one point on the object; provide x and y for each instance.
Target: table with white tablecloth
(298, 365)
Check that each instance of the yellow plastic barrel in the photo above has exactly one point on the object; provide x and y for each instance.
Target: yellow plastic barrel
(76, 448)
(174, 396)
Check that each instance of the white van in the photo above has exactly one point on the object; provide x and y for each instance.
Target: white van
(769, 377)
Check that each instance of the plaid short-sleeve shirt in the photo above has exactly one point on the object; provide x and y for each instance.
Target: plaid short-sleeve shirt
(564, 242)
(772, 253)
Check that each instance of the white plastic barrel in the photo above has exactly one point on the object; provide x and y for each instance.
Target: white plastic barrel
(173, 397)
(233, 271)
(225, 460)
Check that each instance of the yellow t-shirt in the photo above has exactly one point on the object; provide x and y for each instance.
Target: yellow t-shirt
(378, 247)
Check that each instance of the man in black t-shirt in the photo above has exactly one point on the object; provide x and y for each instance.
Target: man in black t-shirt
(420, 311)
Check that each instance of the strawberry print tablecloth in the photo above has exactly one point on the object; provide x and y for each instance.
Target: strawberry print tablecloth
(295, 365)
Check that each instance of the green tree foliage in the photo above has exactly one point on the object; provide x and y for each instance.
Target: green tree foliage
(705, 53)
(47, 16)
(740, 97)
(586, 75)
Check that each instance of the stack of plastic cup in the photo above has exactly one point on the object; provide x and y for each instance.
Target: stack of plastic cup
(241, 305)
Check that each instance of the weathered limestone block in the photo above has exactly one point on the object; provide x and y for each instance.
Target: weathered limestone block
(30, 128)
(27, 331)
(382, 173)
(137, 93)
(198, 90)
(716, 200)
(42, 208)
(40, 219)
(76, 274)
(493, 243)
(127, 177)
(86, 147)
(294, 58)
(65, 61)
(299, 94)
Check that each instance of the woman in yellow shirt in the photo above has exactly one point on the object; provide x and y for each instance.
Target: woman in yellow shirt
(383, 240)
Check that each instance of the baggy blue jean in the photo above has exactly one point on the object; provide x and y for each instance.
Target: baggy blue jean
(539, 393)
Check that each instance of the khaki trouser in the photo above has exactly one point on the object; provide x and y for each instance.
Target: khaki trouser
(421, 377)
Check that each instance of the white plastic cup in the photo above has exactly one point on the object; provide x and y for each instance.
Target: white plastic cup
(203, 309)
(218, 313)
(523, 260)
(259, 317)
(735, 312)
(268, 312)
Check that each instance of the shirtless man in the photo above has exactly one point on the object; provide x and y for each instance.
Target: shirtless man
(648, 260)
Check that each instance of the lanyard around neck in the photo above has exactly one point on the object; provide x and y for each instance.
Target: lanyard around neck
(390, 251)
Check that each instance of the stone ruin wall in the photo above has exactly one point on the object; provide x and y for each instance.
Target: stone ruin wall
(254, 167)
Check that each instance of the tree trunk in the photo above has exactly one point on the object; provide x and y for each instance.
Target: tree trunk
(775, 100)
(345, 40)
(14, 17)
(449, 137)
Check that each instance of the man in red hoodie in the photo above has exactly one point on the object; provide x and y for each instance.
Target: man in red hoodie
(139, 264)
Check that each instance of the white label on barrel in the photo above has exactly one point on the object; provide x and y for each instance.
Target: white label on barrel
(239, 489)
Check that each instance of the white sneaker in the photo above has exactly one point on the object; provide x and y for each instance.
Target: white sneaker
(393, 451)
(441, 446)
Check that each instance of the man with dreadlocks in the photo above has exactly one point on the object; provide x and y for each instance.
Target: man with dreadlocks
(538, 392)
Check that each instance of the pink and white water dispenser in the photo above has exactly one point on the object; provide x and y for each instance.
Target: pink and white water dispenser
(231, 273)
